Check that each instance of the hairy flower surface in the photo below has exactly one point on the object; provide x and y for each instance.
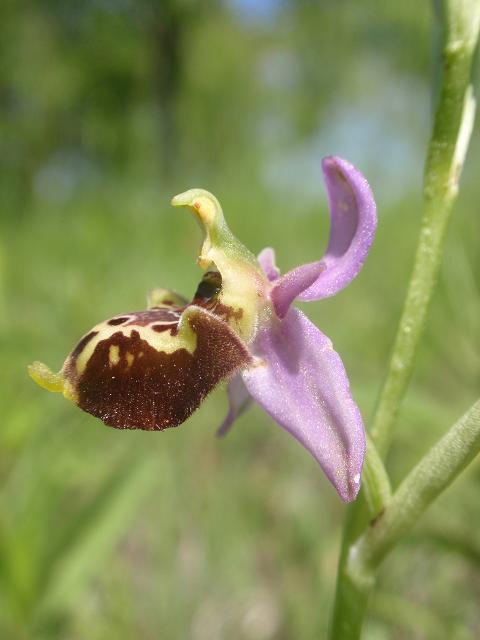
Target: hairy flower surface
(151, 369)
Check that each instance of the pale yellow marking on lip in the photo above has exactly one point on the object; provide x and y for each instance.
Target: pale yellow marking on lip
(130, 358)
(114, 354)
(185, 339)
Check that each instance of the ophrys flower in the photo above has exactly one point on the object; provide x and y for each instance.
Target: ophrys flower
(151, 369)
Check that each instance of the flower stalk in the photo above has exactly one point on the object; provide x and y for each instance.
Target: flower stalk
(448, 146)
(367, 540)
(376, 483)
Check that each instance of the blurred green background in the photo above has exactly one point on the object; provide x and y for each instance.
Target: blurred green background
(107, 109)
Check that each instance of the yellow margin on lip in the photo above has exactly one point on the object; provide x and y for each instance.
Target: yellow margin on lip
(185, 339)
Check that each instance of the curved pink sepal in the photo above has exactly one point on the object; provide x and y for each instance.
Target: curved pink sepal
(303, 385)
(353, 224)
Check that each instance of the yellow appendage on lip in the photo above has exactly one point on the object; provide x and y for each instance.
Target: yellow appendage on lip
(55, 382)
(45, 377)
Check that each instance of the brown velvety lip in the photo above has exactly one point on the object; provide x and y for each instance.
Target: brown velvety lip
(152, 390)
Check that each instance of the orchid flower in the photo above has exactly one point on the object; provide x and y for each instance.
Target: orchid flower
(151, 369)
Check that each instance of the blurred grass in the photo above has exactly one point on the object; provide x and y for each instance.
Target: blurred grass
(106, 534)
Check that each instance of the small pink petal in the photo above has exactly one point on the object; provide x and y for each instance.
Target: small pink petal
(353, 224)
(266, 258)
(239, 400)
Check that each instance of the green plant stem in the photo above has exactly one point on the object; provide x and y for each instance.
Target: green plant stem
(446, 153)
(375, 481)
(453, 122)
(433, 474)
(352, 593)
(351, 597)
